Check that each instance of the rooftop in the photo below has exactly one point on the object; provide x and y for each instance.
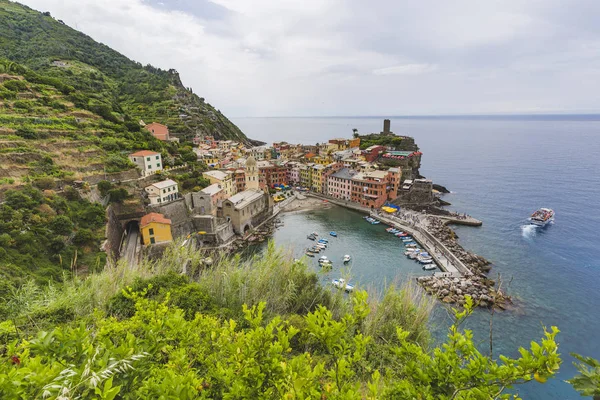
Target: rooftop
(344, 173)
(220, 175)
(154, 217)
(212, 189)
(244, 198)
(164, 184)
(144, 153)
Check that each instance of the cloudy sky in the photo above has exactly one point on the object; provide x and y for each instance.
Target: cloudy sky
(358, 57)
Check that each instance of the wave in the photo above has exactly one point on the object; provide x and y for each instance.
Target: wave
(528, 231)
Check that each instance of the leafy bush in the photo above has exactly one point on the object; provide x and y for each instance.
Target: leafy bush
(44, 183)
(104, 187)
(118, 195)
(15, 85)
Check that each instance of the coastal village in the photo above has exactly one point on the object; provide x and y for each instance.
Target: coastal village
(248, 186)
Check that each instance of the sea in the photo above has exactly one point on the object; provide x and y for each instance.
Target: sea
(499, 169)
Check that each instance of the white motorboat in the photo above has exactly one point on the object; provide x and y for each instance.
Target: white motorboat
(341, 284)
(429, 267)
(347, 258)
(542, 217)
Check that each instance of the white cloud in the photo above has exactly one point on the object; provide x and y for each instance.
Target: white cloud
(350, 57)
(406, 69)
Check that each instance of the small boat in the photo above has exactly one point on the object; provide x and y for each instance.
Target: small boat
(311, 237)
(323, 259)
(407, 239)
(347, 258)
(542, 217)
(308, 253)
(402, 234)
(333, 233)
(315, 234)
(375, 222)
(429, 267)
(410, 244)
(413, 256)
(341, 284)
(410, 251)
(323, 240)
(321, 246)
(390, 230)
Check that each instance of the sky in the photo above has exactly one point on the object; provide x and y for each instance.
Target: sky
(357, 57)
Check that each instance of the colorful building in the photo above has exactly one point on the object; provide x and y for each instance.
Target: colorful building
(370, 189)
(223, 178)
(317, 178)
(155, 228)
(149, 162)
(305, 175)
(162, 192)
(216, 194)
(339, 184)
(159, 131)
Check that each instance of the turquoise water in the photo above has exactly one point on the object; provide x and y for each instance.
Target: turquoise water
(499, 170)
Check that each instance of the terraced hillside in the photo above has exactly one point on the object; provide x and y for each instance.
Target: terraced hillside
(114, 84)
(46, 130)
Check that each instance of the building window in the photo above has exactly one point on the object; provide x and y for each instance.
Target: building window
(152, 241)
(147, 158)
(157, 157)
(151, 231)
(157, 165)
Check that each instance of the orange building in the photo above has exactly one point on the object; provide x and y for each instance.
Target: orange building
(159, 131)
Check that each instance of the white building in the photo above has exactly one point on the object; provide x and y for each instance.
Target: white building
(162, 192)
(149, 162)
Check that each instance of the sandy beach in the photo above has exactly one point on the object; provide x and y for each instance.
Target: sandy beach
(304, 203)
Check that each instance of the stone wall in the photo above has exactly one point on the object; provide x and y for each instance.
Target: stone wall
(114, 234)
(177, 212)
(116, 177)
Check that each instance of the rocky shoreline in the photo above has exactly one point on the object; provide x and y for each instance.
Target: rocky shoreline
(484, 291)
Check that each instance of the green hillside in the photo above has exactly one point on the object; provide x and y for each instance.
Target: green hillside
(108, 81)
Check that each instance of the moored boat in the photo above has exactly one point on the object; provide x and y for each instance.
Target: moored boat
(346, 258)
(311, 237)
(333, 233)
(429, 267)
(341, 284)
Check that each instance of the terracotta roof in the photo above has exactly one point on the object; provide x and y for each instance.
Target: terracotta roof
(154, 217)
(309, 155)
(143, 153)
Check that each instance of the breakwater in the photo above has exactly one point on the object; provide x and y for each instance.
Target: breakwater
(463, 272)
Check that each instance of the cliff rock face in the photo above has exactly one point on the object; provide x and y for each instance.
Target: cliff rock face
(120, 85)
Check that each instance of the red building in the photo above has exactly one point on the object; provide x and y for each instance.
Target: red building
(371, 189)
(272, 175)
(372, 153)
(159, 131)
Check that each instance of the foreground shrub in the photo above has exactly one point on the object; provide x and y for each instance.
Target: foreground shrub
(158, 353)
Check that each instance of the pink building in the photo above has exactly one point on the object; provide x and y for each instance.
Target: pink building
(159, 131)
(339, 184)
(293, 174)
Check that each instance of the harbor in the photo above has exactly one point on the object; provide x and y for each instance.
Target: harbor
(450, 274)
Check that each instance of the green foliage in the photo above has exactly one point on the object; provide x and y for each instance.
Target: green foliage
(392, 141)
(588, 381)
(34, 228)
(104, 187)
(159, 353)
(117, 195)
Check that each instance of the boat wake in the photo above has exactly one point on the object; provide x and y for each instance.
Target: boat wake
(528, 231)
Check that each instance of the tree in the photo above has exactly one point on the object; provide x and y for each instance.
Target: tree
(104, 187)
(355, 133)
(61, 225)
(588, 381)
(118, 195)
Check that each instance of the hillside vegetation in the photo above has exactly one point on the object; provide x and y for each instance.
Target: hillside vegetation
(106, 80)
(260, 329)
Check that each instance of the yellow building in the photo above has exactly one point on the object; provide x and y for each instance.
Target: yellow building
(225, 179)
(317, 178)
(323, 160)
(306, 175)
(155, 229)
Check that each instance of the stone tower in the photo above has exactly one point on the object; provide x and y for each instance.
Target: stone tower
(252, 178)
